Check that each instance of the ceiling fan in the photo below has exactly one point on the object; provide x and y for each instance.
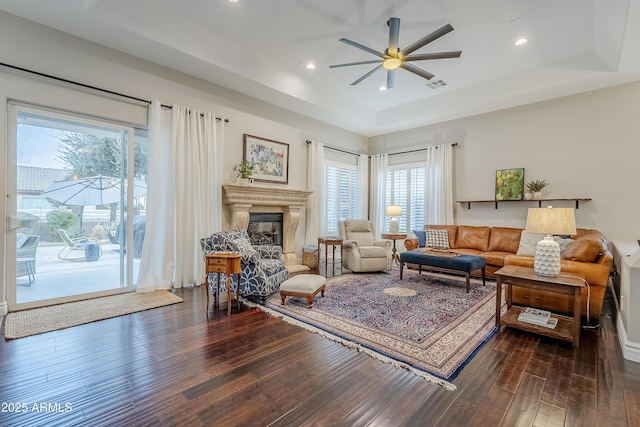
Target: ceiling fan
(393, 57)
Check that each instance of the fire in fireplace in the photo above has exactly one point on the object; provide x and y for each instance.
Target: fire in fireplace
(265, 228)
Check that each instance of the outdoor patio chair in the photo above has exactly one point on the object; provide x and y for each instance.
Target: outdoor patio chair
(26, 247)
(76, 244)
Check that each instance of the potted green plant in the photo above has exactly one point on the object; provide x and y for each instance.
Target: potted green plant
(535, 187)
(244, 170)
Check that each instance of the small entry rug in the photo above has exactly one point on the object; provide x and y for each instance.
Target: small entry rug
(426, 323)
(46, 319)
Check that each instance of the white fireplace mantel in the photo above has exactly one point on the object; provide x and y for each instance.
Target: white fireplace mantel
(243, 199)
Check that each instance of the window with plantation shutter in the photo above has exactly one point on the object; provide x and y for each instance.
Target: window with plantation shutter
(406, 187)
(342, 194)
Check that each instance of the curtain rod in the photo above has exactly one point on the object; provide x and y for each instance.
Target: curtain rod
(334, 148)
(86, 86)
(455, 144)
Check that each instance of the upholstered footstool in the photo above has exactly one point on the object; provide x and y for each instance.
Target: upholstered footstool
(302, 285)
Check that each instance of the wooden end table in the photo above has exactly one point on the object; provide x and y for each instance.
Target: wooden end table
(394, 236)
(226, 263)
(568, 328)
(333, 242)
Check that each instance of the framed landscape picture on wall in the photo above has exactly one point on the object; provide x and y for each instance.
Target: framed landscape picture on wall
(269, 158)
(510, 184)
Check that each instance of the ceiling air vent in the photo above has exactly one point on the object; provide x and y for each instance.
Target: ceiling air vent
(436, 84)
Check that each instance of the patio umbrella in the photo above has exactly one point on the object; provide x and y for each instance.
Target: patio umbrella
(90, 191)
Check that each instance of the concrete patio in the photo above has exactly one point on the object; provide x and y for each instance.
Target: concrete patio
(57, 278)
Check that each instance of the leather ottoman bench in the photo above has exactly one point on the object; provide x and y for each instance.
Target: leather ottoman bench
(444, 262)
(302, 285)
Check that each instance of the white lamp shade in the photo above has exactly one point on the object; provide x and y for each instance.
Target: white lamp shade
(394, 210)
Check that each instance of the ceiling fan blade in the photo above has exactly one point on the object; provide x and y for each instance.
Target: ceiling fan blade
(426, 39)
(437, 55)
(366, 75)
(375, 61)
(362, 47)
(418, 71)
(391, 78)
(394, 35)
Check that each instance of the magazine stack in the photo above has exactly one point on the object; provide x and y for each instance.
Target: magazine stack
(538, 317)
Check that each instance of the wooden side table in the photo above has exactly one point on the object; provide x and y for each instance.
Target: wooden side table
(226, 263)
(333, 242)
(394, 236)
(568, 328)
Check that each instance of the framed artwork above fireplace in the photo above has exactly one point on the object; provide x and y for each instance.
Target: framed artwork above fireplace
(269, 158)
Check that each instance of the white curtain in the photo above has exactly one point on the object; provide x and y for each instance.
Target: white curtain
(363, 185)
(379, 166)
(316, 212)
(439, 185)
(183, 196)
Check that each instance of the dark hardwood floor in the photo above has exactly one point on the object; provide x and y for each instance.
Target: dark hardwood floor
(176, 366)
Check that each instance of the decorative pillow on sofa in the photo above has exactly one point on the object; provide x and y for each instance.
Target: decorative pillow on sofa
(437, 239)
(564, 242)
(528, 242)
(422, 238)
(585, 249)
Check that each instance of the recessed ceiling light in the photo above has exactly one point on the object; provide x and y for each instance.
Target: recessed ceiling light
(382, 88)
(521, 41)
(233, 1)
(310, 66)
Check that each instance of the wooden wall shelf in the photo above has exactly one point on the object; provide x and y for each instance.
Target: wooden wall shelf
(577, 200)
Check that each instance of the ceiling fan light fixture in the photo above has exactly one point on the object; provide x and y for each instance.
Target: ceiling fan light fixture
(391, 63)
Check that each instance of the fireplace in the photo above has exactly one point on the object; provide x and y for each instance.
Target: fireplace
(265, 228)
(244, 200)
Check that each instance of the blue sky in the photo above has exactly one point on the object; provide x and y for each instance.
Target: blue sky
(38, 147)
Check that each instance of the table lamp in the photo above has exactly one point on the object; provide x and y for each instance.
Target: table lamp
(549, 221)
(394, 211)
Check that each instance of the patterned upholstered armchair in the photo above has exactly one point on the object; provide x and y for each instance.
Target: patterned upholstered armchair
(263, 269)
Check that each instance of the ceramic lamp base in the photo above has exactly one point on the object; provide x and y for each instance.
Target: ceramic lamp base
(393, 226)
(547, 259)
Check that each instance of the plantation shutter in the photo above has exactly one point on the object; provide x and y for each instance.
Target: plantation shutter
(406, 187)
(332, 199)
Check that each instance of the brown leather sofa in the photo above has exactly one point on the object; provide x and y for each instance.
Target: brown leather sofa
(587, 255)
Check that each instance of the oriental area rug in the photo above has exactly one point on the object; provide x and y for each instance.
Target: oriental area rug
(425, 323)
(46, 319)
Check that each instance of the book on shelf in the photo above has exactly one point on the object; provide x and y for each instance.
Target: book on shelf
(538, 317)
(550, 323)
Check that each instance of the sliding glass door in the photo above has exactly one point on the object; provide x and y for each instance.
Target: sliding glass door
(74, 184)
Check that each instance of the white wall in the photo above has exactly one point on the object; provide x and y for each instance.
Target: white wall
(585, 145)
